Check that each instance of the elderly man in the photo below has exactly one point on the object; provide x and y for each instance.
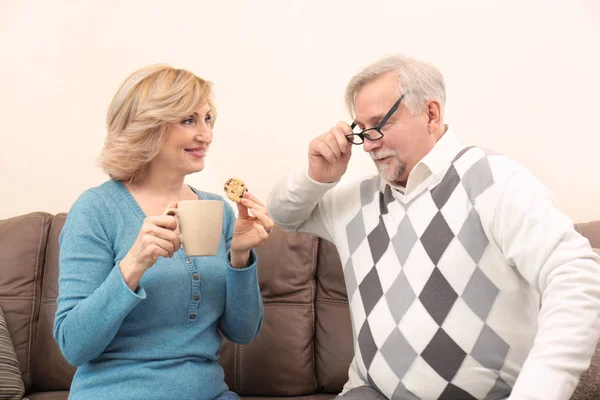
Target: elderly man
(464, 279)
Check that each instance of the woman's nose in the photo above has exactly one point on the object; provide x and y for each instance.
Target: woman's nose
(204, 134)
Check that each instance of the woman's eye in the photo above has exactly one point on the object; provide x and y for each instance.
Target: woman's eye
(208, 118)
(188, 121)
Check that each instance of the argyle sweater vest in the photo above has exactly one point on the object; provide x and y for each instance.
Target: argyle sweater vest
(437, 312)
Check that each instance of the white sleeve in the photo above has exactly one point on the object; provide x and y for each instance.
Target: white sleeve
(354, 379)
(541, 242)
(296, 203)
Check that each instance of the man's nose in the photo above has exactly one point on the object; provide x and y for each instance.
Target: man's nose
(370, 145)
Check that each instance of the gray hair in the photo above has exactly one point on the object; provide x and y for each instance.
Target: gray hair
(423, 81)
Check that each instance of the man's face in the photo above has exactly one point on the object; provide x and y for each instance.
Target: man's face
(406, 138)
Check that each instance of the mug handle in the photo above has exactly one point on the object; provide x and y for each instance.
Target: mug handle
(175, 213)
(172, 211)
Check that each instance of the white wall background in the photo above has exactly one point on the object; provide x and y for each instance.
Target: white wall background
(523, 78)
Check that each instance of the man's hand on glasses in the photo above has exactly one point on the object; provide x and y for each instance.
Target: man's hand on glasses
(329, 154)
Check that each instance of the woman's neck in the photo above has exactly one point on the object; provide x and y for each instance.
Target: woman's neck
(154, 193)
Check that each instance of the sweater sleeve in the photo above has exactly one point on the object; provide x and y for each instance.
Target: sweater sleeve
(541, 242)
(297, 204)
(242, 319)
(93, 296)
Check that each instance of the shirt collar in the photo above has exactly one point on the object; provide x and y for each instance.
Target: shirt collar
(435, 162)
(442, 154)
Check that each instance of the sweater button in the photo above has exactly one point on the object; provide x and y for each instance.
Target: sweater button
(196, 277)
(189, 261)
(196, 297)
(192, 316)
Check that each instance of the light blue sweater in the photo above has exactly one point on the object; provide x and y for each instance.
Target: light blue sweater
(162, 341)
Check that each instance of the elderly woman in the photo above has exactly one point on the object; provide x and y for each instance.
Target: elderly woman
(137, 316)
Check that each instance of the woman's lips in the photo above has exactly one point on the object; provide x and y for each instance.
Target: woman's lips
(198, 153)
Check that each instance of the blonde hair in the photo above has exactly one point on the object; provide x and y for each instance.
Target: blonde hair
(148, 100)
(423, 81)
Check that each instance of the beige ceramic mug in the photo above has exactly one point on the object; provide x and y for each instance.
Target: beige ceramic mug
(200, 225)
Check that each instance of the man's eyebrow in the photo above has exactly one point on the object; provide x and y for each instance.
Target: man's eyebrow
(374, 120)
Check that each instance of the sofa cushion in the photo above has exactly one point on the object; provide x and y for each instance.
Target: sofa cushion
(333, 330)
(11, 381)
(589, 384)
(591, 230)
(22, 251)
(50, 372)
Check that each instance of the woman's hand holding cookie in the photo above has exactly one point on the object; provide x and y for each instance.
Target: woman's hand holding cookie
(252, 228)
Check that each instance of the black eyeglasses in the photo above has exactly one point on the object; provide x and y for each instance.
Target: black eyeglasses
(358, 135)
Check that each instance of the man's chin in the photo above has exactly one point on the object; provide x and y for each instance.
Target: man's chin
(386, 175)
(389, 173)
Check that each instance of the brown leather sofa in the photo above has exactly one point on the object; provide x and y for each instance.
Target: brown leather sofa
(303, 350)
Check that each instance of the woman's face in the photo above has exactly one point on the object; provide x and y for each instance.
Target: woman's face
(186, 143)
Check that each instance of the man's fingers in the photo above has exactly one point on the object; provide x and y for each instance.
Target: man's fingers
(331, 141)
(321, 149)
(341, 130)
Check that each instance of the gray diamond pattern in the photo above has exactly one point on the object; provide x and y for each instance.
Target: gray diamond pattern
(438, 297)
(480, 294)
(367, 189)
(350, 278)
(370, 290)
(379, 241)
(455, 393)
(477, 179)
(405, 239)
(400, 297)
(437, 237)
(384, 199)
(441, 193)
(402, 393)
(367, 345)
(444, 355)
(490, 350)
(501, 390)
(472, 236)
(398, 353)
(355, 232)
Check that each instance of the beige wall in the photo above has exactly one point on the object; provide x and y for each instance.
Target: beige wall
(522, 78)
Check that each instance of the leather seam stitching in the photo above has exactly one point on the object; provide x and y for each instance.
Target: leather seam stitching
(313, 295)
(31, 335)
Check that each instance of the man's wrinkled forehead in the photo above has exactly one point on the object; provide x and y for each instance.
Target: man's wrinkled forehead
(373, 100)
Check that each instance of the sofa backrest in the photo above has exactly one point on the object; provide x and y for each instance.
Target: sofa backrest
(305, 345)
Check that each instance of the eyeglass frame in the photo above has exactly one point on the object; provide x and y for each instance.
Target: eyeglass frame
(377, 128)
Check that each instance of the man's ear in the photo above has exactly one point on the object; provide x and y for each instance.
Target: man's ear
(433, 110)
